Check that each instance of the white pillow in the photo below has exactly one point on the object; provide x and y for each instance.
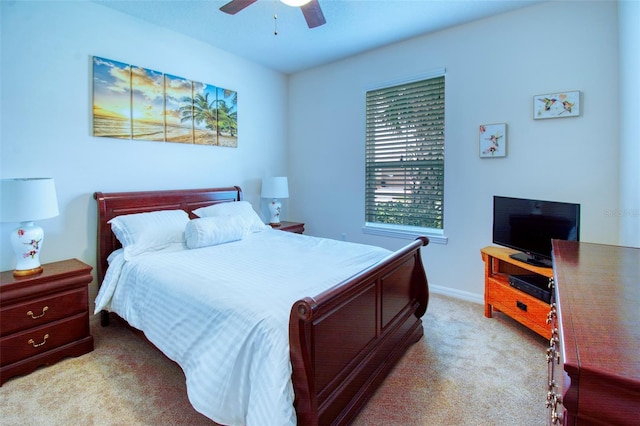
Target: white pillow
(152, 231)
(211, 231)
(239, 209)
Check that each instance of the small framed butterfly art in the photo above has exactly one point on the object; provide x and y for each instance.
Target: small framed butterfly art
(556, 105)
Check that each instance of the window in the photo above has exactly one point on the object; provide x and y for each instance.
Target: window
(405, 158)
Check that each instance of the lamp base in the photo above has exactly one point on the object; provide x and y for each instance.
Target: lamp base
(274, 210)
(27, 242)
(27, 272)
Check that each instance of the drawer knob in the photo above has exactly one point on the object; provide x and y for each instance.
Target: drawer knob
(36, 345)
(44, 310)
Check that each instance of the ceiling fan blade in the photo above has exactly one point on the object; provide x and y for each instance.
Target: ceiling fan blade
(313, 14)
(235, 6)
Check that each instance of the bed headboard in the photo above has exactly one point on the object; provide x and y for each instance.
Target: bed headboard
(115, 204)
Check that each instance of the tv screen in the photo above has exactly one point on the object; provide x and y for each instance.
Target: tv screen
(529, 226)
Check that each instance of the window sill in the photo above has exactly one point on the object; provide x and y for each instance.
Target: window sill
(407, 233)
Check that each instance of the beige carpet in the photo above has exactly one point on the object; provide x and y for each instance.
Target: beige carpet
(467, 370)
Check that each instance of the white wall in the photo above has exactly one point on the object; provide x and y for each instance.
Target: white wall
(629, 211)
(494, 68)
(46, 116)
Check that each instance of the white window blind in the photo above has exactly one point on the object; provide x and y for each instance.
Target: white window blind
(405, 154)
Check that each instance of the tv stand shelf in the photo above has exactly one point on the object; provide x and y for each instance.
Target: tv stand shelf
(501, 297)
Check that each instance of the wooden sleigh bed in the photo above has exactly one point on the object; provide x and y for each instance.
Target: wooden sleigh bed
(343, 342)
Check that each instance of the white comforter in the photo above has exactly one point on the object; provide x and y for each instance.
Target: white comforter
(222, 313)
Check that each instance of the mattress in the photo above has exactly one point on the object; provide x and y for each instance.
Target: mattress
(222, 313)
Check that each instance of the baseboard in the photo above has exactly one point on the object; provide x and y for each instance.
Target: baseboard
(457, 294)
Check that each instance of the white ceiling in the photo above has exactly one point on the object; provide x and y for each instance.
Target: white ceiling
(353, 26)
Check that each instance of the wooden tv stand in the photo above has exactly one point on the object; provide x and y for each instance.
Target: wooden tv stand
(500, 296)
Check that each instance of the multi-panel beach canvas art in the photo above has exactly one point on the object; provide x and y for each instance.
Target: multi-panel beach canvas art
(131, 102)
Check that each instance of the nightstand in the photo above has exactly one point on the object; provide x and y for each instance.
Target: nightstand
(295, 227)
(44, 317)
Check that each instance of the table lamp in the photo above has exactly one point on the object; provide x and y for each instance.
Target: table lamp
(25, 200)
(275, 188)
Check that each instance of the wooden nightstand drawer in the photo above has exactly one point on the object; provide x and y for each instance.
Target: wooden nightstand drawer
(34, 341)
(34, 313)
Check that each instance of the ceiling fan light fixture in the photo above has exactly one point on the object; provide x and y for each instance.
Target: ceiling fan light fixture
(295, 3)
(310, 10)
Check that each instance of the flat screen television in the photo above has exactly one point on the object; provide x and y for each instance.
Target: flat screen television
(529, 226)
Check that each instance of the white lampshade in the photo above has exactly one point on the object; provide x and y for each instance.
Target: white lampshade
(24, 201)
(29, 199)
(275, 187)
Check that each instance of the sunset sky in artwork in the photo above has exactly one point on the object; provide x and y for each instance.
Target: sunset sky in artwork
(111, 88)
(176, 88)
(148, 95)
(113, 97)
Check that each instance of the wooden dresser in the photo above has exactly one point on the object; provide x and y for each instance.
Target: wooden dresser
(594, 357)
(44, 317)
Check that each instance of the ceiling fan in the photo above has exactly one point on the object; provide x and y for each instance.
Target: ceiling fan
(310, 9)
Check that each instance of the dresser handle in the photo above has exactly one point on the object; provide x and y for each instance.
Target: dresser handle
(552, 313)
(556, 414)
(44, 310)
(556, 417)
(37, 345)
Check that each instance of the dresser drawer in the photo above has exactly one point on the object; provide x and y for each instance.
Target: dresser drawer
(24, 344)
(37, 312)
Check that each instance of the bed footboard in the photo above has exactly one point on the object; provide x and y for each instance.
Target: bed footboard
(345, 341)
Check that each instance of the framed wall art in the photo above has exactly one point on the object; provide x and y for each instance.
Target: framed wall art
(493, 140)
(556, 105)
(131, 102)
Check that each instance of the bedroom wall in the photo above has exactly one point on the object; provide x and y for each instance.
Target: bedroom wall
(629, 212)
(493, 69)
(46, 116)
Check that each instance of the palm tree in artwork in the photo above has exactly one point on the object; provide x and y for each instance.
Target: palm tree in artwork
(218, 115)
(227, 119)
(200, 110)
(228, 112)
